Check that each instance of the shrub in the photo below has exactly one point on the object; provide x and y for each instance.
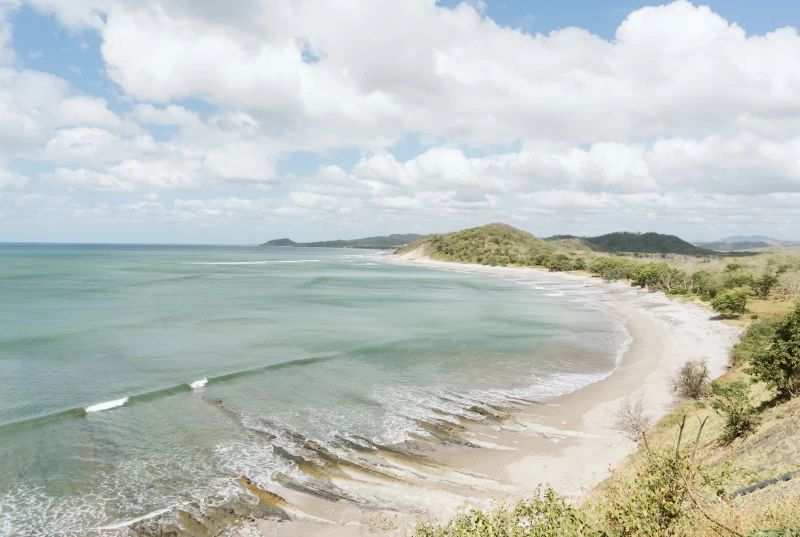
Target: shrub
(545, 515)
(652, 503)
(732, 402)
(734, 280)
(579, 264)
(613, 268)
(692, 381)
(789, 284)
(732, 303)
(657, 276)
(707, 284)
(763, 285)
(778, 362)
(632, 418)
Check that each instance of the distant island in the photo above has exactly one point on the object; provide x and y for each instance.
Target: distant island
(379, 242)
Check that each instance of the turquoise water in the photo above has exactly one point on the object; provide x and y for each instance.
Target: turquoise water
(100, 347)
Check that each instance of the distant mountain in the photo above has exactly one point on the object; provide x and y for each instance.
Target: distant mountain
(751, 238)
(390, 241)
(730, 246)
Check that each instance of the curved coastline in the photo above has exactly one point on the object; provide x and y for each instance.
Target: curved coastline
(664, 334)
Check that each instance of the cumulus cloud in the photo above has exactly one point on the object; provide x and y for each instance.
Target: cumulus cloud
(12, 181)
(682, 118)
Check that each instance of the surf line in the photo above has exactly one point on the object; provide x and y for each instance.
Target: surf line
(81, 412)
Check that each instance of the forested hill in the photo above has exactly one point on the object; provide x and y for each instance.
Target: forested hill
(634, 243)
(390, 241)
(645, 243)
(493, 244)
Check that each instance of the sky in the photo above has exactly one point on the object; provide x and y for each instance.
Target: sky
(199, 121)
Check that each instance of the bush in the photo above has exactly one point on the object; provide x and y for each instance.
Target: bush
(789, 284)
(632, 419)
(579, 264)
(732, 303)
(732, 402)
(763, 285)
(778, 362)
(707, 284)
(613, 268)
(692, 381)
(652, 503)
(657, 277)
(545, 515)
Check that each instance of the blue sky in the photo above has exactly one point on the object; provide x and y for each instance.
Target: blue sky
(171, 121)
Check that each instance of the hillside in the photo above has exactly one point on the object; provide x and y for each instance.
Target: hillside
(493, 244)
(645, 243)
(389, 241)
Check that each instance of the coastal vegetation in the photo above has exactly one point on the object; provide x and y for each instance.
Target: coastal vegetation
(762, 284)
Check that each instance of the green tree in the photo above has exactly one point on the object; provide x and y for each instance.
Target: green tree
(731, 303)
(763, 285)
(778, 363)
(732, 401)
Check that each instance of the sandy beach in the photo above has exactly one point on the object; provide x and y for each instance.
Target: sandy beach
(568, 441)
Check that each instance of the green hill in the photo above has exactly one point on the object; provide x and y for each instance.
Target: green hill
(645, 243)
(493, 244)
(390, 241)
(280, 242)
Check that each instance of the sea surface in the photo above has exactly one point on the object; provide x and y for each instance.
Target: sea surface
(139, 379)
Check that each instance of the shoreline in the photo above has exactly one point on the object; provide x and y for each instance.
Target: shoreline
(583, 445)
(567, 440)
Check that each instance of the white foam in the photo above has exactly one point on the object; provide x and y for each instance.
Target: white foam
(126, 523)
(198, 384)
(107, 405)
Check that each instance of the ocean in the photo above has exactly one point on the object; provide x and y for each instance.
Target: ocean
(137, 380)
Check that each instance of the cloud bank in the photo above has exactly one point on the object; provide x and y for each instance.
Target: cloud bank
(683, 122)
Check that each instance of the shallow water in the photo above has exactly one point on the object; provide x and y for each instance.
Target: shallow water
(136, 379)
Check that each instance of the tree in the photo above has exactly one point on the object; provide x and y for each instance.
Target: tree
(789, 284)
(731, 303)
(763, 285)
(732, 401)
(779, 362)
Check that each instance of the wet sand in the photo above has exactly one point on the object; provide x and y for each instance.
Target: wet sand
(568, 441)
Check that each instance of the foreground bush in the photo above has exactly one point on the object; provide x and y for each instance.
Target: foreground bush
(778, 362)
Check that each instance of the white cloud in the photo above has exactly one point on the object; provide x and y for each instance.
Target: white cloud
(7, 7)
(12, 181)
(678, 119)
(129, 176)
